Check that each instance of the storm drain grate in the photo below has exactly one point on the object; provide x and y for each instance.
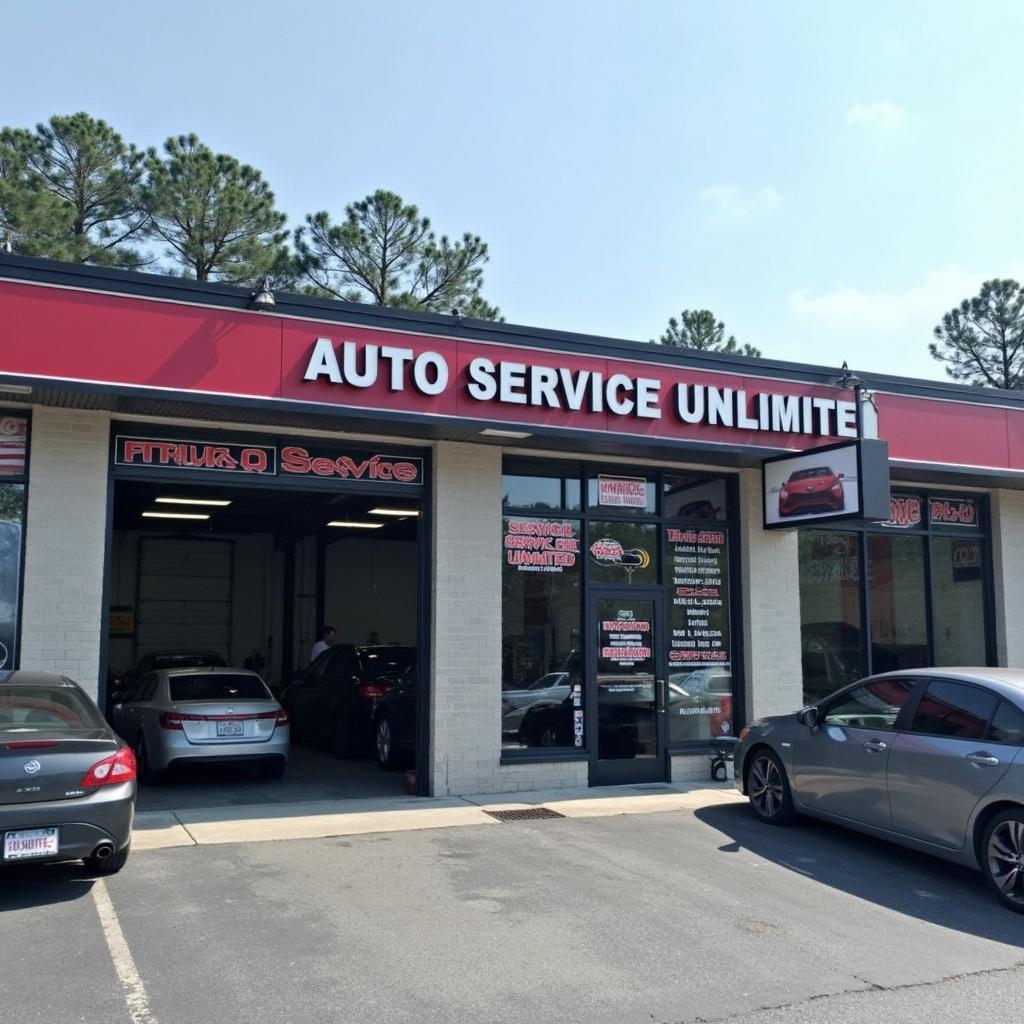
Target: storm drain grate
(525, 814)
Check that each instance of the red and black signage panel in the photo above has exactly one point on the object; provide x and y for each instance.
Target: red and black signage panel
(281, 460)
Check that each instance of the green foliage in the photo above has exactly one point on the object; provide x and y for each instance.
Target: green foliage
(384, 252)
(982, 340)
(70, 191)
(215, 214)
(698, 329)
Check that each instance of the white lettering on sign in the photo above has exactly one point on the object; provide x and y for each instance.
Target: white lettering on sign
(356, 365)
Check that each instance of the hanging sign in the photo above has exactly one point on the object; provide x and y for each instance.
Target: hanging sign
(622, 491)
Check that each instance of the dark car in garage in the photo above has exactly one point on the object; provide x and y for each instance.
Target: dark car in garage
(394, 731)
(335, 701)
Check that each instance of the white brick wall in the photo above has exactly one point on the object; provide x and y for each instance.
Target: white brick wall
(64, 545)
(466, 655)
(1007, 557)
(770, 583)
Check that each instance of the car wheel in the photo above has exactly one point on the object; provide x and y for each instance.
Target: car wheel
(148, 775)
(341, 737)
(547, 736)
(768, 789)
(107, 865)
(1003, 858)
(272, 771)
(384, 743)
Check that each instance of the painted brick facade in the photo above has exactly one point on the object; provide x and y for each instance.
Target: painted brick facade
(64, 544)
(770, 583)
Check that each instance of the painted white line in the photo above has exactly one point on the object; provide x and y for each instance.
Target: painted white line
(128, 974)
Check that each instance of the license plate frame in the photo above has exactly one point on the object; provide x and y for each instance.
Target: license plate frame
(49, 836)
(230, 729)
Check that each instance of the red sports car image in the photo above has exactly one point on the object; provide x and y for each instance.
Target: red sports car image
(817, 489)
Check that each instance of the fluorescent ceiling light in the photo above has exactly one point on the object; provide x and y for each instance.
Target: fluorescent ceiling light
(218, 502)
(16, 389)
(393, 512)
(518, 434)
(175, 515)
(354, 525)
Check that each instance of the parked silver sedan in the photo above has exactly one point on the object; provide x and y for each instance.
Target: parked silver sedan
(203, 716)
(932, 759)
(67, 784)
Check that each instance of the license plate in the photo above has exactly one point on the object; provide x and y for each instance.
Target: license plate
(230, 729)
(34, 842)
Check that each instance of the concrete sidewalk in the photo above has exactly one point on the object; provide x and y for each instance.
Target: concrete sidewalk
(317, 819)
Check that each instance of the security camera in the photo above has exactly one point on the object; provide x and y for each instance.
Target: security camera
(456, 313)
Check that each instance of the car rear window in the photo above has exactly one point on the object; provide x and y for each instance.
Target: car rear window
(45, 709)
(386, 662)
(193, 660)
(217, 686)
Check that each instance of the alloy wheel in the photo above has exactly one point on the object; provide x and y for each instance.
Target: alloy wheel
(1006, 859)
(548, 737)
(766, 787)
(383, 741)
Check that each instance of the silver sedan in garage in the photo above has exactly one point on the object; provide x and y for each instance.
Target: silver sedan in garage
(932, 759)
(203, 716)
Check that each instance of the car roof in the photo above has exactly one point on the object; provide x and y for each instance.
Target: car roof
(1009, 682)
(28, 678)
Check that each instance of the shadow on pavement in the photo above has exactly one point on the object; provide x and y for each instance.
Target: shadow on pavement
(902, 880)
(24, 886)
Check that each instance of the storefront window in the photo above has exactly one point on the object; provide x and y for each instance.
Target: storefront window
(13, 470)
(542, 686)
(959, 588)
(830, 625)
(623, 552)
(897, 602)
(700, 704)
(540, 493)
(689, 497)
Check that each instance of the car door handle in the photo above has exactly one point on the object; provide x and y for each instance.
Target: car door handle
(983, 760)
(876, 746)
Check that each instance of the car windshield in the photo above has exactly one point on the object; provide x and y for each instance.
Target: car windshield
(551, 679)
(193, 659)
(217, 686)
(810, 474)
(45, 709)
(386, 662)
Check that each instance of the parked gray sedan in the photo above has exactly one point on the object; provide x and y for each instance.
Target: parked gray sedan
(203, 716)
(932, 759)
(67, 784)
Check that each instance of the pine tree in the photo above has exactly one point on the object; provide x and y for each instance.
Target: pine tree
(698, 329)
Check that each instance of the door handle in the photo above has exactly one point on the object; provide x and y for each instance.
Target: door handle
(875, 746)
(983, 760)
(662, 697)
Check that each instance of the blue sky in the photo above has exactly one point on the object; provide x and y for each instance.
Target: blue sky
(828, 178)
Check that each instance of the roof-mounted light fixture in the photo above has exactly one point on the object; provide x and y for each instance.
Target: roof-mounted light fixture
(263, 297)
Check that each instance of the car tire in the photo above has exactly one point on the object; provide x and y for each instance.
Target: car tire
(108, 866)
(341, 737)
(768, 788)
(1002, 857)
(384, 745)
(148, 775)
(273, 771)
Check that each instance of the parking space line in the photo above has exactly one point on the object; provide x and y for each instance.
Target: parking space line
(124, 963)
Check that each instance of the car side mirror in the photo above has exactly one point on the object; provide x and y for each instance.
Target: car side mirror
(808, 716)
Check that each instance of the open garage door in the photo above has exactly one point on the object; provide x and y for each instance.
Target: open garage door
(222, 584)
(184, 590)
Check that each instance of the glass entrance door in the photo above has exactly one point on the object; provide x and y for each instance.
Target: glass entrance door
(626, 687)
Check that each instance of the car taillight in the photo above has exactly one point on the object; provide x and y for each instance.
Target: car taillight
(173, 719)
(116, 768)
(372, 691)
(31, 744)
(281, 717)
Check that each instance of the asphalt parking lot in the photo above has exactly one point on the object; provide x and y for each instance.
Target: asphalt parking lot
(665, 917)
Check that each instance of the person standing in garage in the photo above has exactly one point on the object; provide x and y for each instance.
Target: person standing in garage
(326, 641)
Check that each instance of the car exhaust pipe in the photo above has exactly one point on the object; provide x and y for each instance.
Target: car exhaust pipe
(104, 851)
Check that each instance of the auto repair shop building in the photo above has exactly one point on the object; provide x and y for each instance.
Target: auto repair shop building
(577, 534)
